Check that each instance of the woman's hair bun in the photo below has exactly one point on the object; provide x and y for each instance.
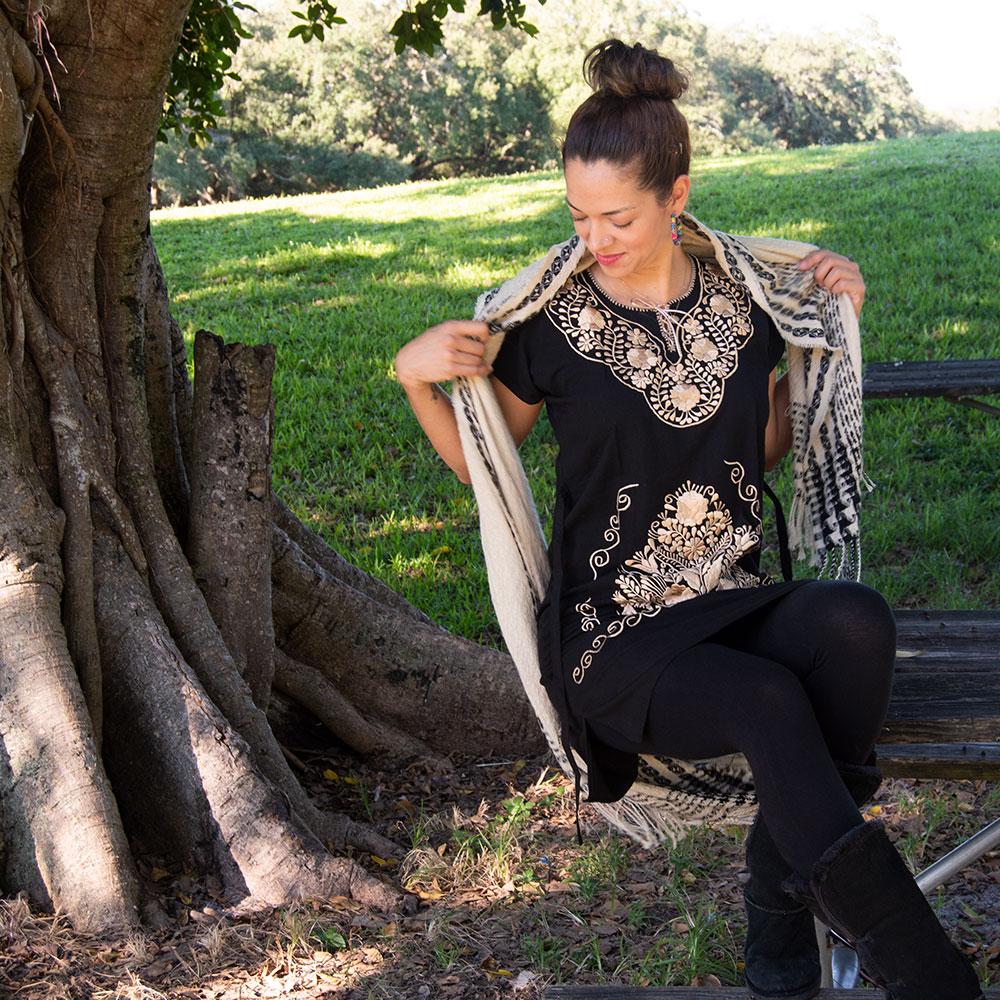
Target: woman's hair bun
(632, 71)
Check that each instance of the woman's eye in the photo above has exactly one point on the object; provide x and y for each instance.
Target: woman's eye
(624, 225)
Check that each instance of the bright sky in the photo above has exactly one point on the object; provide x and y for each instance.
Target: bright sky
(948, 52)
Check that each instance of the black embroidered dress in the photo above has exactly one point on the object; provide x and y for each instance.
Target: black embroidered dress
(657, 527)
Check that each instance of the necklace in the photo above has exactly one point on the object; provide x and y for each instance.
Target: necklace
(662, 309)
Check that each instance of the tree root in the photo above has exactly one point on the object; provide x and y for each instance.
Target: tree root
(211, 798)
(316, 692)
(443, 690)
(177, 595)
(162, 339)
(336, 566)
(80, 477)
(62, 837)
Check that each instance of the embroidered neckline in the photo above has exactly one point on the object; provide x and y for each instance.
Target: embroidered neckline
(647, 309)
(681, 389)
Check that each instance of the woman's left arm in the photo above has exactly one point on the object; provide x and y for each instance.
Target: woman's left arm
(778, 432)
(838, 274)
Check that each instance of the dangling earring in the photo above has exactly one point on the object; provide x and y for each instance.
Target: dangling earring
(676, 229)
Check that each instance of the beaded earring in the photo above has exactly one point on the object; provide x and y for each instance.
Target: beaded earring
(676, 229)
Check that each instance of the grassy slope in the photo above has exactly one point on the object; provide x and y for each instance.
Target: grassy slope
(339, 282)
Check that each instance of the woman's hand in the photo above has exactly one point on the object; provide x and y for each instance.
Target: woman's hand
(443, 352)
(837, 274)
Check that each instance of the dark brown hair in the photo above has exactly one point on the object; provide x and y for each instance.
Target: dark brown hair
(631, 119)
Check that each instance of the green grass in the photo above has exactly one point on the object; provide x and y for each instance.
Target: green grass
(339, 282)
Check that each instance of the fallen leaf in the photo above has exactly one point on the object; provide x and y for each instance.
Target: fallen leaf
(522, 980)
(707, 980)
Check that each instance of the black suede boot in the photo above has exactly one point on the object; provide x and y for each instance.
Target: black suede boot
(861, 887)
(781, 956)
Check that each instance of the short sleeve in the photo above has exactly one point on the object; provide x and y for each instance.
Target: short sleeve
(775, 344)
(513, 367)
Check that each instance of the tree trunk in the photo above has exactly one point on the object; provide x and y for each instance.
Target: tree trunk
(229, 544)
(153, 591)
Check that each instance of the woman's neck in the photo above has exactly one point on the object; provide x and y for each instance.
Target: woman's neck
(659, 282)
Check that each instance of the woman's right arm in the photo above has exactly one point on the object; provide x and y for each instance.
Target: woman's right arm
(444, 352)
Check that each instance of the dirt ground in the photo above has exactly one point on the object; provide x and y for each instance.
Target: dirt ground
(509, 903)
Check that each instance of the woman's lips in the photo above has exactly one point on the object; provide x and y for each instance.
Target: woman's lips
(611, 259)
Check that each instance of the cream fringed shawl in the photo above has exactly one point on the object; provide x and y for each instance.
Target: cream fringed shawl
(824, 373)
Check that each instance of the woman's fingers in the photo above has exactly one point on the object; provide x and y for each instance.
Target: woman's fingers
(468, 328)
(454, 347)
(811, 259)
(837, 274)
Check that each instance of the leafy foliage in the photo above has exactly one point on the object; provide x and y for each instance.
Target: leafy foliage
(421, 27)
(201, 64)
(213, 31)
(317, 17)
(352, 113)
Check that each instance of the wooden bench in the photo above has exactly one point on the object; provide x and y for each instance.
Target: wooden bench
(955, 381)
(944, 714)
(693, 992)
(943, 722)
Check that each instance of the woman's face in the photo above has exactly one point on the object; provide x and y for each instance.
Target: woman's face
(626, 229)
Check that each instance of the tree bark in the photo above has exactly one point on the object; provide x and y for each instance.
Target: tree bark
(59, 824)
(229, 545)
(151, 586)
(211, 803)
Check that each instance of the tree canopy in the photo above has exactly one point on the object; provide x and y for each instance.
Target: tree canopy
(213, 32)
(363, 108)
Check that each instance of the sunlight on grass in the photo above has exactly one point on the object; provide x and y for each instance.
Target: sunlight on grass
(339, 282)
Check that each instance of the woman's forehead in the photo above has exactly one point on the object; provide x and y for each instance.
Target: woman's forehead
(601, 187)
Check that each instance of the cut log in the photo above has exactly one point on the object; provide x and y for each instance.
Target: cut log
(229, 540)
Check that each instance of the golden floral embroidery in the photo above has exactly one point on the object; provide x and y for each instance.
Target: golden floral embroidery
(590, 319)
(692, 548)
(682, 390)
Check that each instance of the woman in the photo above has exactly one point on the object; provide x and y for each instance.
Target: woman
(658, 633)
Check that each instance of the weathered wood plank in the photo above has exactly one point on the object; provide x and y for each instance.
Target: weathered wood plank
(697, 993)
(888, 379)
(969, 630)
(940, 760)
(946, 689)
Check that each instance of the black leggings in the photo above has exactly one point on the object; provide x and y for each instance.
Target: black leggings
(796, 685)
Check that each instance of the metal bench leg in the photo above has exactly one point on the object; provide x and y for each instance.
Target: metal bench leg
(839, 967)
(967, 853)
(825, 954)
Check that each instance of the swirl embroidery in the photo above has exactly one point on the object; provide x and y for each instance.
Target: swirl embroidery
(683, 392)
(692, 548)
(752, 494)
(588, 615)
(600, 558)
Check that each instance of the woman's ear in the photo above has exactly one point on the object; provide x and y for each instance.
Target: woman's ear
(680, 192)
